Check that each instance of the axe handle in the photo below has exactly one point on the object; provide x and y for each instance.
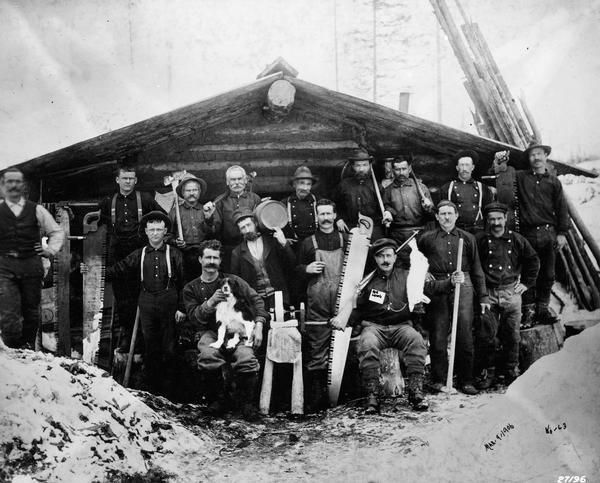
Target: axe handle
(177, 214)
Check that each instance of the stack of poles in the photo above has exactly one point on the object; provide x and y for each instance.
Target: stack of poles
(498, 116)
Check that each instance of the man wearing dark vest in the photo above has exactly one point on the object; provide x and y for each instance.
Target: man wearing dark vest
(122, 212)
(468, 195)
(301, 206)
(22, 223)
(262, 260)
(320, 259)
(159, 269)
(544, 220)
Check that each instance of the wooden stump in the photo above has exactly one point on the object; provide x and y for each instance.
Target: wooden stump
(391, 380)
(537, 342)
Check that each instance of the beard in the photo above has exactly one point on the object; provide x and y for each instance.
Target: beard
(361, 176)
(251, 236)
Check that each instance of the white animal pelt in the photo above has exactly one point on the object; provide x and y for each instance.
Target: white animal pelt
(232, 325)
(416, 277)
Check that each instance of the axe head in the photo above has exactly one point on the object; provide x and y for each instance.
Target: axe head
(174, 178)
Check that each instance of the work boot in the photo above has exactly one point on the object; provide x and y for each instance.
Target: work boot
(215, 393)
(545, 315)
(246, 388)
(488, 377)
(468, 388)
(316, 391)
(370, 383)
(415, 392)
(528, 318)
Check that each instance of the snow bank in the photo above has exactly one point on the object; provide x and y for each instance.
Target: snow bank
(546, 425)
(62, 420)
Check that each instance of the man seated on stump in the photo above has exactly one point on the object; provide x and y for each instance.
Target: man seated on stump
(384, 319)
(201, 297)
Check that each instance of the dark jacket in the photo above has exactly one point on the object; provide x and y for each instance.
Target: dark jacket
(278, 261)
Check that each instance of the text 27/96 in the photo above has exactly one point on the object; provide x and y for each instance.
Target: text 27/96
(571, 479)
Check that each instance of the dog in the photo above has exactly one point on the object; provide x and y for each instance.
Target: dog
(232, 319)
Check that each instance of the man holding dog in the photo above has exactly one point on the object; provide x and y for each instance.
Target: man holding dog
(201, 297)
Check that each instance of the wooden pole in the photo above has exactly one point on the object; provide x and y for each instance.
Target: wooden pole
(570, 279)
(585, 233)
(529, 116)
(377, 193)
(580, 285)
(585, 272)
(131, 348)
(454, 317)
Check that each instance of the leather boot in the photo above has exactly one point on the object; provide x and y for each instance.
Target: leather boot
(370, 383)
(215, 392)
(316, 391)
(528, 318)
(488, 377)
(544, 315)
(246, 388)
(415, 392)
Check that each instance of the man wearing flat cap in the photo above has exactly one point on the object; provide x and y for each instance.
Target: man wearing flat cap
(383, 316)
(469, 195)
(159, 271)
(357, 194)
(262, 260)
(511, 266)
(544, 221)
(193, 223)
(440, 246)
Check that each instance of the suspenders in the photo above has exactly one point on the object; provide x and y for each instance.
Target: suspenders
(113, 208)
(169, 272)
(479, 188)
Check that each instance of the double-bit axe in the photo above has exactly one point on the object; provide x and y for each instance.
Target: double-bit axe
(174, 181)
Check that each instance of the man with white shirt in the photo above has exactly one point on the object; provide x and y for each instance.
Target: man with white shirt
(22, 224)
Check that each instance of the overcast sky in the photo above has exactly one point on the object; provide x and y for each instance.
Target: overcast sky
(74, 69)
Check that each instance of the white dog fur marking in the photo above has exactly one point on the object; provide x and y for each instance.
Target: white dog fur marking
(231, 321)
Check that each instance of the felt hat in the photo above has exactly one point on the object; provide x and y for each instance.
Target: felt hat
(303, 172)
(154, 216)
(360, 155)
(239, 215)
(535, 144)
(495, 206)
(186, 179)
(466, 153)
(382, 244)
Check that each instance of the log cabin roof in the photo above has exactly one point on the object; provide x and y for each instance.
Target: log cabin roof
(382, 130)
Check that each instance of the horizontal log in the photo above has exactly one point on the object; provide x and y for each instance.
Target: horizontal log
(276, 146)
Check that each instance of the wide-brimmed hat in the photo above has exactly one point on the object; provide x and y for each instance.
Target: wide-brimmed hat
(186, 179)
(239, 215)
(466, 153)
(535, 144)
(360, 155)
(303, 172)
(382, 244)
(154, 216)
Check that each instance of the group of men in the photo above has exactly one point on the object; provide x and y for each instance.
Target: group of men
(175, 279)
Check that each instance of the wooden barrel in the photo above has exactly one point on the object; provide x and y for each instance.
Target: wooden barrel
(271, 214)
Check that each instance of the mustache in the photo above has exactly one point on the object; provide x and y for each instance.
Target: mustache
(211, 265)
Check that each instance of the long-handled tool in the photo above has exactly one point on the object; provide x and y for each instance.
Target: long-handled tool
(174, 181)
(377, 193)
(131, 348)
(454, 318)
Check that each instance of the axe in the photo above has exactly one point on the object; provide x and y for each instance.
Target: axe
(174, 181)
